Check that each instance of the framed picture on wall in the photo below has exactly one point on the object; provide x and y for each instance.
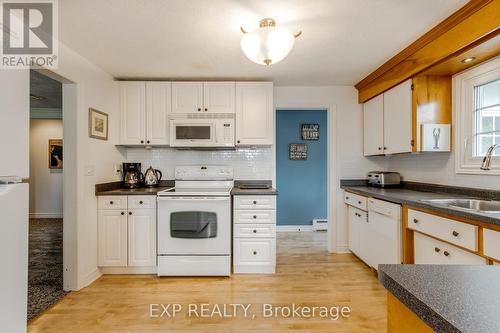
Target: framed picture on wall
(98, 124)
(298, 151)
(310, 132)
(55, 154)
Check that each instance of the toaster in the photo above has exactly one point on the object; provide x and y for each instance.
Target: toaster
(384, 178)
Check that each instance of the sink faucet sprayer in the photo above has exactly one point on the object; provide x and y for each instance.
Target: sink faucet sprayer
(487, 158)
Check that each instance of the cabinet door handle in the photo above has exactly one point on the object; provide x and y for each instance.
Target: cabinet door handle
(254, 252)
(142, 141)
(415, 221)
(206, 109)
(359, 202)
(454, 233)
(255, 216)
(140, 202)
(238, 141)
(123, 213)
(255, 231)
(385, 148)
(129, 213)
(379, 148)
(347, 198)
(437, 249)
(199, 109)
(446, 253)
(147, 141)
(111, 202)
(255, 202)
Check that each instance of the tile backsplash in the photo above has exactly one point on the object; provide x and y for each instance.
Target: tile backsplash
(248, 163)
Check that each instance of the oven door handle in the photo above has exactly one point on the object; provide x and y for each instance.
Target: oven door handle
(192, 199)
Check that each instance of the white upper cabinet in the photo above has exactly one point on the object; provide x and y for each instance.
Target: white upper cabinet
(373, 126)
(254, 113)
(158, 108)
(397, 119)
(187, 97)
(132, 113)
(387, 125)
(219, 97)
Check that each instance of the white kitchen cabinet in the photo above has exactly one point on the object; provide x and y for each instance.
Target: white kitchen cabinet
(254, 113)
(219, 97)
(357, 220)
(126, 231)
(187, 97)
(491, 243)
(132, 112)
(142, 237)
(398, 119)
(373, 126)
(112, 237)
(158, 108)
(431, 251)
(254, 236)
(144, 111)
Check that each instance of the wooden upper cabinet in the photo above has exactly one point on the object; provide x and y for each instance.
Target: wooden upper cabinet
(398, 119)
(132, 112)
(254, 113)
(158, 108)
(373, 126)
(219, 97)
(187, 97)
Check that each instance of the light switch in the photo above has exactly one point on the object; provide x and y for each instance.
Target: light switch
(89, 170)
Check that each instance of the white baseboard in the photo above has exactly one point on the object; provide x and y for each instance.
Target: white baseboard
(90, 278)
(343, 249)
(46, 215)
(293, 228)
(129, 270)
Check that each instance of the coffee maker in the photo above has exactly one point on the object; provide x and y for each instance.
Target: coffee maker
(132, 175)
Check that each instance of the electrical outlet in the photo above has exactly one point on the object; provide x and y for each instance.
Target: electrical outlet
(117, 170)
(89, 170)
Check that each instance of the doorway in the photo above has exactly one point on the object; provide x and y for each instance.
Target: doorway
(45, 255)
(302, 170)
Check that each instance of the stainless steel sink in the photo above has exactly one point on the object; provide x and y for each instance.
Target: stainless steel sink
(483, 206)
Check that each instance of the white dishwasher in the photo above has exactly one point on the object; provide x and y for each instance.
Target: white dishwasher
(384, 230)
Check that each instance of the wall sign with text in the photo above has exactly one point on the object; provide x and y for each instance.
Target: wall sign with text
(298, 151)
(310, 131)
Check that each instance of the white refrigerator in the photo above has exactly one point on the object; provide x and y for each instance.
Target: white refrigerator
(14, 174)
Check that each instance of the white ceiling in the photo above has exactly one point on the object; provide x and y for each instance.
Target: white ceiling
(342, 40)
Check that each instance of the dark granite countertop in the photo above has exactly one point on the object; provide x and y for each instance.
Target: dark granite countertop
(448, 298)
(414, 198)
(134, 191)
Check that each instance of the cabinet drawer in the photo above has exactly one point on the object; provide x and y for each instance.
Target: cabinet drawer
(141, 202)
(432, 251)
(462, 234)
(254, 251)
(355, 200)
(255, 216)
(255, 202)
(491, 240)
(112, 202)
(255, 230)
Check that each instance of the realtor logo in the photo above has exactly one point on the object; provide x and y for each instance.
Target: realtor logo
(29, 34)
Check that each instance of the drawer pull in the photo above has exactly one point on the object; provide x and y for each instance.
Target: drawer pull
(255, 231)
(254, 252)
(359, 202)
(255, 202)
(415, 221)
(129, 213)
(446, 253)
(455, 233)
(140, 202)
(123, 213)
(437, 249)
(111, 202)
(255, 216)
(347, 198)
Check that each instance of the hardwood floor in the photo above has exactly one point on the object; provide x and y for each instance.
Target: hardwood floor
(307, 275)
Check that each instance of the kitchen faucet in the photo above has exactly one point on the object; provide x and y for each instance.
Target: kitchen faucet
(487, 158)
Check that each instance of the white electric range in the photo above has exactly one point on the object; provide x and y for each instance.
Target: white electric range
(194, 222)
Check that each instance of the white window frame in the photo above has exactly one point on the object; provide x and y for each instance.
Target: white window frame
(463, 106)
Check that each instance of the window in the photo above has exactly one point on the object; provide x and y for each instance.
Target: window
(486, 117)
(476, 94)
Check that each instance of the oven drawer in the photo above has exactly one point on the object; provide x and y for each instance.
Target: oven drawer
(255, 230)
(255, 202)
(141, 202)
(254, 255)
(112, 202)
(255, 216)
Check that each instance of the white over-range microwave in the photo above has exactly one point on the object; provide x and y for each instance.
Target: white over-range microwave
(202, 132)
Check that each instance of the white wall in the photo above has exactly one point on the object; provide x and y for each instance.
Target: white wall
(46, 185)
(345, 145)
(87, 161)
(248, 163)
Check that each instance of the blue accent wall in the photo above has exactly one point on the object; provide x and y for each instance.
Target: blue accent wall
(302, 185)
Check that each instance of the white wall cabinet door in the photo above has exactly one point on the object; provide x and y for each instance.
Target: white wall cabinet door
(112, 238)
(142, 237)
(132, 113)
(219, 97)
(373, 126)
(254, 113)
(158, 108)
(398, 119)
(187, 97)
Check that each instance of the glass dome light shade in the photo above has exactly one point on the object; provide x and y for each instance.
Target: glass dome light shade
(267, 45)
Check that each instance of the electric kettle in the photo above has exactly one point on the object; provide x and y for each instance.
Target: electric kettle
(152, 177)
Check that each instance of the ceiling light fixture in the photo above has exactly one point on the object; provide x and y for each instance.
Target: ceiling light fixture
(469, 59)
(268, 44)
